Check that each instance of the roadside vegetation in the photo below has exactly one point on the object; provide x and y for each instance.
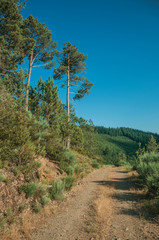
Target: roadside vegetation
(44, 147)
(121, 147)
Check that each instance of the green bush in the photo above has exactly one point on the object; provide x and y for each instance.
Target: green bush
(64, 166)
(54, 150)
(78, 169)
(41, 191)
(95, 164)
(68, 162)
(148, 169)
(37, 191)
(70, 158)
(29, 189)
(87, 166)
(149, 157)
(152, 183)
(44, 200)
(56, 190)
(68, 182)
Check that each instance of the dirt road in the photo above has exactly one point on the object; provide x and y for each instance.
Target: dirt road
(102, 207)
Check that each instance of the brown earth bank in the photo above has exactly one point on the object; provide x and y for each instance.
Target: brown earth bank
(103, 206)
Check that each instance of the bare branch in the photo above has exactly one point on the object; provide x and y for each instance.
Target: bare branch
(41, 65)
(34, 58)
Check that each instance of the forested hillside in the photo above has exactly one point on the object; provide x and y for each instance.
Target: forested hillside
(134, 134)
(113, 148)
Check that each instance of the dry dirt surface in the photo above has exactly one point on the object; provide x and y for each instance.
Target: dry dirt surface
(104, 206)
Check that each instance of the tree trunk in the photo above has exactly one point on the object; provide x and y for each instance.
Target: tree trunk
(68, 93)
(28, 82)
(21, 94)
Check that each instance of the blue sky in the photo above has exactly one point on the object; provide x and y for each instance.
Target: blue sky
(121, 38)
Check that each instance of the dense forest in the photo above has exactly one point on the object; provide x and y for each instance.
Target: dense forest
(133, 134)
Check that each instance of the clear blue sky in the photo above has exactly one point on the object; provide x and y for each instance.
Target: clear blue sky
(121, 38)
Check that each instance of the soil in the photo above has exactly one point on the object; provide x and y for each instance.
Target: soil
(103, 206)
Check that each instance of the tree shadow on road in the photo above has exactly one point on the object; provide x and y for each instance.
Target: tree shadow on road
(129, 191)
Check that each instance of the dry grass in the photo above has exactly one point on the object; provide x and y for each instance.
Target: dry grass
(26, 224)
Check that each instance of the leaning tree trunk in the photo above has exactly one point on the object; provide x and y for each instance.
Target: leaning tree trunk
(28, 82)
(68, 94)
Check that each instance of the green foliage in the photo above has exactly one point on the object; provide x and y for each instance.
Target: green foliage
(56, 190)
(37, 191)
(109, 147)
(54, 149)
(149, 157)
(87, 166)
(44, 200)
(1, 164)
(68, 162)
(148, 169)
(1, 178)
(9, 215)
(152, 146)
(133, 134)
(68, 182)
(29, 189)
(7, 180)
(72, 63)
(11, 37)
(70, 158)
(36, 207)
(95, 164)
(22, 207)
(2, 222)
(78, 169)
(8, 212)
(39, 48)
(64, 166)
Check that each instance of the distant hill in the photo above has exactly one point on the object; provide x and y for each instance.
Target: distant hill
(133, 134)
(114, 141)
(108, 147)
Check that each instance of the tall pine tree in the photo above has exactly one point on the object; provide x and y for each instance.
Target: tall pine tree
(71, 68)
(39, 47)
(11, 38)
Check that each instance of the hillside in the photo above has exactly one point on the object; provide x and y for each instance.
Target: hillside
(133, 134)
(108, 147)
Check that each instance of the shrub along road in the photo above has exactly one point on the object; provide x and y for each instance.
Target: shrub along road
(103, 206)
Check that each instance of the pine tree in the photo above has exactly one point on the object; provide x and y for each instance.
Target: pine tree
(152, 146)
(44, 102)
(19, 88)
(35, 98)
(72, 66)
(51, 105)
(39, 47)
(11, 38)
